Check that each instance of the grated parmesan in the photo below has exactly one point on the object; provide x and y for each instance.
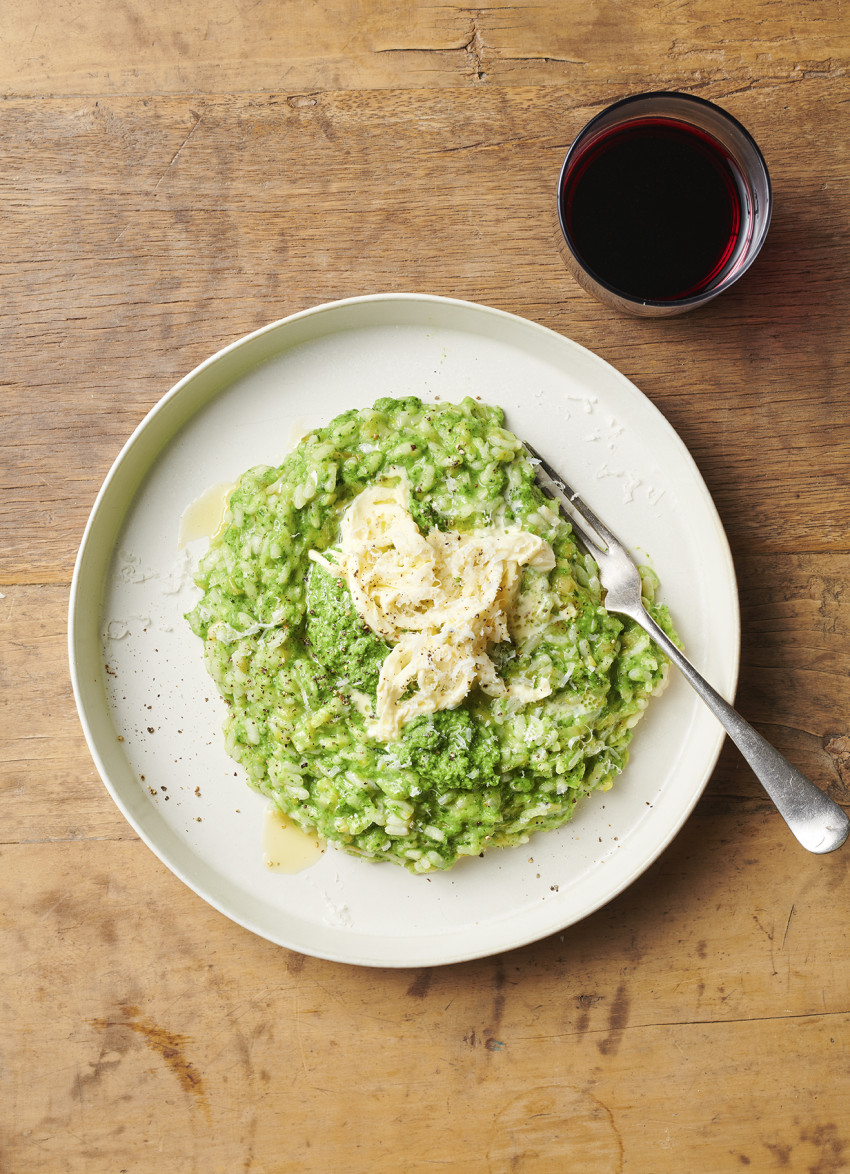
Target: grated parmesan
(441, 599)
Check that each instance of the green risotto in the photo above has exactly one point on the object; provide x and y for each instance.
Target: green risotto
(299, 667)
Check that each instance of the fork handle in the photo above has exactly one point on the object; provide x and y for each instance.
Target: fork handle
(818, 823)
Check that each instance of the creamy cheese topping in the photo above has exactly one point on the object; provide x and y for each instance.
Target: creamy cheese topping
(441, 599)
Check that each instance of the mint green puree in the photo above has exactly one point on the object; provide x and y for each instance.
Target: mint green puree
(295, 662)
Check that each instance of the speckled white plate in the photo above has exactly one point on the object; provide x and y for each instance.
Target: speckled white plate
(153, 719)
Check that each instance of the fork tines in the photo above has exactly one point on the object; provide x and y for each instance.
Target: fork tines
(579, 513)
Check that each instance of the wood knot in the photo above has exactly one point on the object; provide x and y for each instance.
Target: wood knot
(837, 747)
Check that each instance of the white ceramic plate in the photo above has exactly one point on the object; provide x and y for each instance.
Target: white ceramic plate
(153, 719)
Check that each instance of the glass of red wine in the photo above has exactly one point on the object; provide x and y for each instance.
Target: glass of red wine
(664, 201)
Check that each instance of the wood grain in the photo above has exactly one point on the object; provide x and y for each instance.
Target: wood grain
(140, 46)
(174, 176)
(632, 1039)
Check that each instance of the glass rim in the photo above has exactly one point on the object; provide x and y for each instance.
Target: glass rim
(736, 126)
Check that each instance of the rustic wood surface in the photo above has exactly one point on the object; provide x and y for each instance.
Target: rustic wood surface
(175, 175)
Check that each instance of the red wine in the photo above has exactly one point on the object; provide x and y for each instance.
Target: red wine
(655, 209)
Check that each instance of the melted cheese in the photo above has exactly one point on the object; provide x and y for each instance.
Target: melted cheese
(441, 599)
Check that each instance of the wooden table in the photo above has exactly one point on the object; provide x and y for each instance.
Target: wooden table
(176, 175)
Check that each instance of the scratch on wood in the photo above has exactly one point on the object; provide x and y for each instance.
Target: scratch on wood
(298, 1034)
(768, 933)
(787, 923)
(615, 1132)
(198, 120)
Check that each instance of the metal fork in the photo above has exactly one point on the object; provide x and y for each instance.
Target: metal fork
(818, 823)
